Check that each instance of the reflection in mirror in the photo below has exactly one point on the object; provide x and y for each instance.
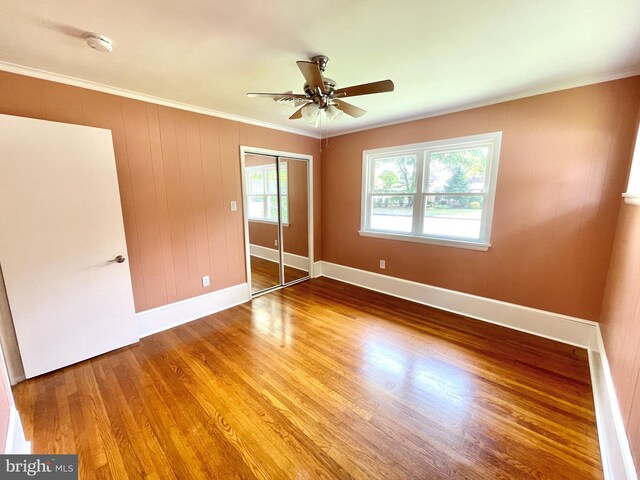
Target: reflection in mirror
(295, 213)
(262, 210)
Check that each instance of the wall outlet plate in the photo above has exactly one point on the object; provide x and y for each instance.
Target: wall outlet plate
(383, 264)
(205, 281)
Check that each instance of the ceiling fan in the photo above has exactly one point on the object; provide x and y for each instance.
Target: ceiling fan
(320, 94)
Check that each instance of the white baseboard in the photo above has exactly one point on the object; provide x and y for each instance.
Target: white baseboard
(16, 442)
(617, 461)
(555, 326)
(317, 269)
(290, 259)
(169, 316)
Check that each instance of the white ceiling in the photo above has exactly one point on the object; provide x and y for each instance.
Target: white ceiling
(442, 55)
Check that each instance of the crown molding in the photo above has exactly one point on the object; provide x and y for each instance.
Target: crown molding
(77, 82)
(548, 88)
(99, 87)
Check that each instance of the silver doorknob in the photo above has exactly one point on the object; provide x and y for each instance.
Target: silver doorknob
(118, 259)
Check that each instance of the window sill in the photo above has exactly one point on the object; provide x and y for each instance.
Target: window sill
(631, 198)
(268, 222)
(428, 240)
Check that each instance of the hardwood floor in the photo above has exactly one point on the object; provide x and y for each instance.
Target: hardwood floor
(323, 380)
(266, 274)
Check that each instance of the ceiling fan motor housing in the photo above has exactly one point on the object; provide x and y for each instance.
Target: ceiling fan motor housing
(319, 98)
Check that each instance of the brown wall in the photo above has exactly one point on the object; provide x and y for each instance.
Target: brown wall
(263, 234)
(177, 172)
(620, 321)
(564, 162)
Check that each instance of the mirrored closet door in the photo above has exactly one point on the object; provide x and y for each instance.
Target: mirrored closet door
(277, 220)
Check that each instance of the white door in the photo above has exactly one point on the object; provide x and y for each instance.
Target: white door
(60, 228)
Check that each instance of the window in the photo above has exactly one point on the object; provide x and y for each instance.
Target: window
(438, 192)
(632, 196)
(262, 193)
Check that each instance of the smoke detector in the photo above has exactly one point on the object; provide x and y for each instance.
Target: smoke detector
(99, 42)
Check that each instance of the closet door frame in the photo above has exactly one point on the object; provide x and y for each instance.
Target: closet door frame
(278, 155)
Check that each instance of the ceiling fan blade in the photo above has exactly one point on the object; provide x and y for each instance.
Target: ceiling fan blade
(278, 95)
(298, 113)
(312, 75)
(348, 108)
(365, 89)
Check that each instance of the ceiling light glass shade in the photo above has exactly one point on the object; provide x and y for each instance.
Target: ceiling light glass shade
(311, 114)
(333, 113)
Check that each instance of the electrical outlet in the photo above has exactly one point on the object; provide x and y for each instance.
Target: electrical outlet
(275, 242)
(234, 206)
(383, 264)
(205, 281)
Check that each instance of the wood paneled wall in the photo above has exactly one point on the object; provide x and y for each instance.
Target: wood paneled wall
(178, 171)
(564, 162)
(620, 321)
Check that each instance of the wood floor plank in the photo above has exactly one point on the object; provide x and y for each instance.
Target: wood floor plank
(258, 410)
(323, 380)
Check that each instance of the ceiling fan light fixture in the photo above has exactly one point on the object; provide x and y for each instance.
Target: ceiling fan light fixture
(333, 113)
(311, 114)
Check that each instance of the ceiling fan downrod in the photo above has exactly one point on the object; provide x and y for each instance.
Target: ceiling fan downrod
(321, 61)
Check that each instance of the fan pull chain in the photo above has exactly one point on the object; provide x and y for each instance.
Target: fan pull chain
(326, 131)
(321, 134)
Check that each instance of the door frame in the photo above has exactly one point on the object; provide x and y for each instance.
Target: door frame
(248, 150)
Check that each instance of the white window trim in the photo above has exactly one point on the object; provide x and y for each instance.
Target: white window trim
(269, 222)
(284, 198)
(632, 195)
(483, 244)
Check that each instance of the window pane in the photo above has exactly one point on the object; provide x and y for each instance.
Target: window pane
(284, 206)
(272, 208)
(392, 213)
(272, 184)
(394, 174)
(459, 171)
(255, 182)
(256, 207)
(453, 216)
(283, 179)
